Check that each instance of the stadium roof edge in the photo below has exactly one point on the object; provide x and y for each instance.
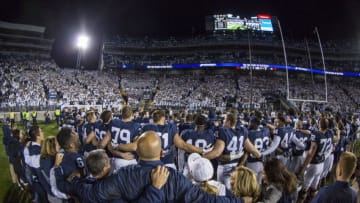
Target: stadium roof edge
(22, 27)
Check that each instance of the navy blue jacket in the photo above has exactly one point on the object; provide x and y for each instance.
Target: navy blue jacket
(130, 182)
(43, 173)
(81, 188)
(337, 192)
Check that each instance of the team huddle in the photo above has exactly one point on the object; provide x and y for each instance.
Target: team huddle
(204, 157)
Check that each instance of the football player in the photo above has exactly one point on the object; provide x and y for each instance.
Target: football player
(170, 138)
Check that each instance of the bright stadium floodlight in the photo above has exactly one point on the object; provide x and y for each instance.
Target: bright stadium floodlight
(82, 42)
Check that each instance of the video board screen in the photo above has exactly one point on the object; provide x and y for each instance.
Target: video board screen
(230, 22)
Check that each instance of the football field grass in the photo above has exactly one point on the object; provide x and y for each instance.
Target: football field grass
(5, 178)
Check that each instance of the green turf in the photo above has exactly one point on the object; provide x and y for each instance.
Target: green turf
(5, 178)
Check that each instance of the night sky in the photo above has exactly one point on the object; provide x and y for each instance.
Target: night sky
(160, 18)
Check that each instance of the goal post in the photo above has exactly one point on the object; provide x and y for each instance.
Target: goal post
(288, 97)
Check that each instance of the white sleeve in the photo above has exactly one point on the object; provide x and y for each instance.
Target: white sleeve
(54, 188)
(274, 145)
(272, 195)
(27, 156)
(35, 161)
(297, 142)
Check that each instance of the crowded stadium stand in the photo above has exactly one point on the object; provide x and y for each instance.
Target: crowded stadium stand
(169, 72)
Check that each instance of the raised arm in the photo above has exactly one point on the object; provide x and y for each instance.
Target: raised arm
(179, 143)
(273, 146)
(105, 141)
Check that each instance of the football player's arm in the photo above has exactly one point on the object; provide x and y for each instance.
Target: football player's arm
(179, 143)
(336, 136)
(251, 148)
(243, 159)
(131, 147)
(230, 157)
(306, 132)
(218, 149)
(124, 155)
(105, 141)
(94, 141)
(89, 137)
(309, 157)
(271, 127)
(297, 142)
(273, 146)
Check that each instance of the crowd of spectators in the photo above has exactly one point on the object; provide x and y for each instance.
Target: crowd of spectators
(36, 82)
(230, 48)
(29, 82)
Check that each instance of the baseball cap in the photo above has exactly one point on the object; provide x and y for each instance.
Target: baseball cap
(200, 168)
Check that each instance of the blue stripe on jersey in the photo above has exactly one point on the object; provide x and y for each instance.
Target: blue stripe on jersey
(167, 133)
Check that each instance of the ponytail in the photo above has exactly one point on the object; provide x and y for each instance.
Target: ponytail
(210, 189)
(289, 186)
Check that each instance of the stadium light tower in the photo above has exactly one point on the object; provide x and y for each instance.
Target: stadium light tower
(82, 44)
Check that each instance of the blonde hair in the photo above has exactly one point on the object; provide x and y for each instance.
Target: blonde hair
(48, 149)
(210, 189)
(347, 163)
(245, 183)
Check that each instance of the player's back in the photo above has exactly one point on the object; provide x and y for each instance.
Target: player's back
(200, 139)
(260, 139)
(185, 126)
(303, 138)
(167, 133)
(71, 162)
(234, 140)
(123, 132)
(321, 140)
(100, 130)
(285, 133)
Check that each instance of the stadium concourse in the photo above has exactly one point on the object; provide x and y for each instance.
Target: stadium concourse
(257, 146)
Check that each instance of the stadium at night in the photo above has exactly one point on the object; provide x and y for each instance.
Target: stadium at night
(138, 101)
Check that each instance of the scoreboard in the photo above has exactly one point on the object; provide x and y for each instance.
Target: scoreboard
(225, 22)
